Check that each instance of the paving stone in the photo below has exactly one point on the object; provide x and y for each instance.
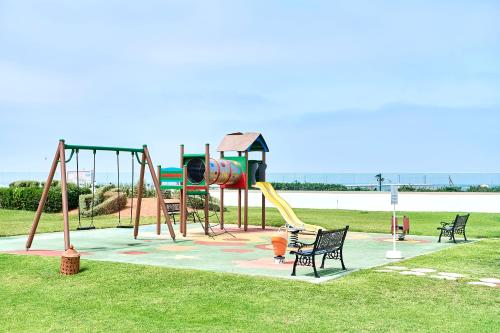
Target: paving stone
(424, 270)
(443, 277)
(412, 273)
(490, 280)
(397, 268)
(478, 283)
(455, 275)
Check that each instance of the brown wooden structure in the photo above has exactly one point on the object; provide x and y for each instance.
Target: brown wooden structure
(243, 144)
(60, 158)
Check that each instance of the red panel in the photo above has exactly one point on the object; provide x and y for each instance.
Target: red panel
(193, 187)
(171, 175)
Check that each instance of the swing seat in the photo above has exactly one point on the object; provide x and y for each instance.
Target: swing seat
(86, 228)
(125, 226)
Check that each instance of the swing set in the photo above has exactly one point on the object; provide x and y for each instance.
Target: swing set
(60, 158)
(118, 208)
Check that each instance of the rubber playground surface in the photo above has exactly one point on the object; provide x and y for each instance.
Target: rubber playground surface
(239, 252)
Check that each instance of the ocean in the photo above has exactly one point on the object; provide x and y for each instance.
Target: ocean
(348, 179)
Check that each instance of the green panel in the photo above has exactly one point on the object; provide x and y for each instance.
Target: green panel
(170, 187)
(240, 159)
(193, 155)
(171, 170)
(197, 192)
(187, 158)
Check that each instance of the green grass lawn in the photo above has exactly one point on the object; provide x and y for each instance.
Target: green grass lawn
(14, 222)
(422, 223)
(123, 297)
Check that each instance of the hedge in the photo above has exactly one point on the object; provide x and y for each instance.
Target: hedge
(27, 198)
(309, 187)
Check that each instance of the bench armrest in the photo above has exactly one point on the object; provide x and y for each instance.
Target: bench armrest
(303, 245)
(444, 224)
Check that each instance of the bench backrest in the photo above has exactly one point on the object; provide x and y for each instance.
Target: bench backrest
(460, 221)
(329, 240)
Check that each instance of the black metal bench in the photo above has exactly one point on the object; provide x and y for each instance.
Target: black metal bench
(328, 243)
(449, 229)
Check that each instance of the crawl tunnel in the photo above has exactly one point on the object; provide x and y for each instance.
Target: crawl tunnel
(222, 172)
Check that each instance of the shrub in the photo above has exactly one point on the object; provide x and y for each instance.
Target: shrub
(111, 204)
(27, 198)
(484, 189)
(106, 201)
(25, 183)
(309, 187)
(198, 202)
(407, 188)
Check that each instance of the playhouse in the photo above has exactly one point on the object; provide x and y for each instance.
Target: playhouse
(233, 170)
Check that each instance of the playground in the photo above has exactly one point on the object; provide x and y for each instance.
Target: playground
(249, 253)
(213, 267)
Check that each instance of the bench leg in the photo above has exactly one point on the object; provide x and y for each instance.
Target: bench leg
(453, 237)
(342, 259)
(441, 234)
(314, 266)
(465, 237)
(323, 261)
(295, 264)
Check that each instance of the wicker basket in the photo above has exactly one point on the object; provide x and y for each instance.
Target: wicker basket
(70, 262)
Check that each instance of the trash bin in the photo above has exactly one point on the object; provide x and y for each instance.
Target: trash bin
(70, 262)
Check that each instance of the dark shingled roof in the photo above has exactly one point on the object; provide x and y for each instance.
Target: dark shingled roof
(243, 142)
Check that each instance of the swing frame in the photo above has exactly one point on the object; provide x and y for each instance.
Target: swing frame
(60, 158)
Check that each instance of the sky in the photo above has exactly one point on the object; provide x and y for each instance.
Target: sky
(333, 86)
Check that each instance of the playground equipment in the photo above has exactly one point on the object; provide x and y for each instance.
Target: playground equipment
(401, 230)
(280, 241)
(291, 219)
(60, 158)
(198, 171)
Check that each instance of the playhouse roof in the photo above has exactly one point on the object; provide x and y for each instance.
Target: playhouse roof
(243, 142)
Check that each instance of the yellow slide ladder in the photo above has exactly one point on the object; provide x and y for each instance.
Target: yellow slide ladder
(284, 208)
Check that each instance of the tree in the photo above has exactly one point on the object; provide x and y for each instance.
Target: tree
(380, 180)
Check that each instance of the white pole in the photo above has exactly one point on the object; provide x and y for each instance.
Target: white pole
(394, 254)
(394, 228)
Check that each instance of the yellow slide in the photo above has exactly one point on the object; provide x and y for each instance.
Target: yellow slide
(284, 208)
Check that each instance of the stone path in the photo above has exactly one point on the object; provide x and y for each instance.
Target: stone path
(488, 282)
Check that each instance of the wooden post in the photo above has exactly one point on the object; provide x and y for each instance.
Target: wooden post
(239, 202)
(158, 191)
(184, 201)
(245, 207)
(159, 197)
(139, 195)
(64, 194)
(221, 209)
(43, 199)
(207, 187)
(263, 197)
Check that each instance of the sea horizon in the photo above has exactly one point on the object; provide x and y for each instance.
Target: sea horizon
(430, 179)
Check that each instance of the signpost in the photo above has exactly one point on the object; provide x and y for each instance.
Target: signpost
(394, 254)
